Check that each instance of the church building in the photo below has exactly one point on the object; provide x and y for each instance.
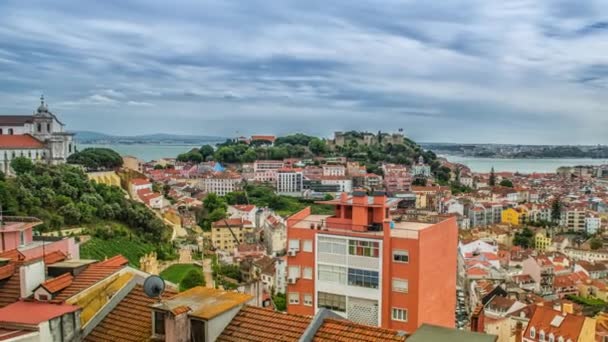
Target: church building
(40, 137)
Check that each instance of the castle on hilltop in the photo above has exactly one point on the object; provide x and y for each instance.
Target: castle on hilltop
(40, 137)
(365, 138)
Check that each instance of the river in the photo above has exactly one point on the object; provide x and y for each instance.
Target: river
(149, 152)
(478, 164)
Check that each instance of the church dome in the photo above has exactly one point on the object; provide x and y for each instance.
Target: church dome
(43, 108)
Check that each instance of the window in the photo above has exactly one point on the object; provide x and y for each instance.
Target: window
(308, 299)
(532, 332)
(399, 315)
(294, 298)
(48, 127)
(159, 323)
(362, 278)
(294, 272)
(401, 256)
(400, 285)
(307, 273)
(294, 245)
(22, 238)
(541, 336)
(334, 274)
(10, 131)
(364, 248)
(332, 245)
(43, 297)
(551, 338)
(70, 148)
(307, 246)
(39, 127)
(1, 132)
(331, 301)
(197, 330)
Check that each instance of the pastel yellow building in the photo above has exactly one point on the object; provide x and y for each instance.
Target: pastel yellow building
(541, 241)
(514, 216)
(222, 238)
(106, 177)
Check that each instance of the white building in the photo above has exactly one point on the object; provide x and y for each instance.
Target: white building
(246, 212)
(221, 183)
(280, 279)
(345, 184)
(467, 181)
(290, 181)
(38, 137)
(275, 235)
(334, 170)
(421, 169)
(592, 224)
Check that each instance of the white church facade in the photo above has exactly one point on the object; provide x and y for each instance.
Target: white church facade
(40, 137)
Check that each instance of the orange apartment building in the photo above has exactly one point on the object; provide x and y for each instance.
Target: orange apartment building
(372, 268)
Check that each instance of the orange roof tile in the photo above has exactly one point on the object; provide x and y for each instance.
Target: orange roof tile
(569, 328)
(341, 330)
(10, 289)
(7, 270)
(54, 257)
(115, 261)
(20, 141)
(12, 254)
(257, 324)
(58, 283)
(90, 276)
(129, 321)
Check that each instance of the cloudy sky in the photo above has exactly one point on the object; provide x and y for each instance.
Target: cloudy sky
(517, 71)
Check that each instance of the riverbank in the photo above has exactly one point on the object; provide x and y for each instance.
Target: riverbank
(522, 165)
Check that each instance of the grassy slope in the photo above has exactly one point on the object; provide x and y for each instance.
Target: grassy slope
(175, 273)
(99, 249)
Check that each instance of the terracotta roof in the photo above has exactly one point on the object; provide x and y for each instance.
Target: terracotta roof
(545, 319)
(258, 324)
(7, 270)
(140, 181)
(90, 276)
(12, 254)
(115, 261)
(34, 313)
(10, 289)
(24, 141)
(58, 283)
(341, 330)
(233, 222)
(129, 321)
(54, 257)
(270, 138)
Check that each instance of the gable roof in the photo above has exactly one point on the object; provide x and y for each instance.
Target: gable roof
(34, 313)
(258, 324)
(57, 284)
(10, 288)
(54, 257)
(129, 321)
(342, 330)
(569, 326)
(90, 276)
(15, 120)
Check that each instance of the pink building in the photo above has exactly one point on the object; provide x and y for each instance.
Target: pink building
(17, 233)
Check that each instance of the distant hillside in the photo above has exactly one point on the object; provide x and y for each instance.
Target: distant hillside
(89, 137)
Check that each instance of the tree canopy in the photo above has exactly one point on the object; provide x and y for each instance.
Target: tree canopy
(506, 182)
(95, 158)
(193, 278)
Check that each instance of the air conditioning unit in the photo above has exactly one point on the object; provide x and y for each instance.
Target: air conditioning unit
(292, 252)
(292, 280)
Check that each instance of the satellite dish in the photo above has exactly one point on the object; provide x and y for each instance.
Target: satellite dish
(154, 286)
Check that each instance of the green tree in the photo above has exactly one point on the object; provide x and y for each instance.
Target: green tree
(524, 238)
(507, 183)
(280, 302)
(317, 146)
(595, 243)
(492, 181)
(556, 210)
(206, 151)
(419, 182)
(193, 278)
(94, 158)
(22, 165)
(160, 167)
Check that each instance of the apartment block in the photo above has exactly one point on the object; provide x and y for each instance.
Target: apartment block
(370, 267)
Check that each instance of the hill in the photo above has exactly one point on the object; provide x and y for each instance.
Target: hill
(90, 137)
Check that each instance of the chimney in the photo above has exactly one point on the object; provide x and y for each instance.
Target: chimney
(379, 197)
(359, 197)
(567, 308)
(519, 327)
(477, 319)
(343, 197)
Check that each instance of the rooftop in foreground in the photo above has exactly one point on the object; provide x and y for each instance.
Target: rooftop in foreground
(402, 229)
(204, 302)
(432, 333)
